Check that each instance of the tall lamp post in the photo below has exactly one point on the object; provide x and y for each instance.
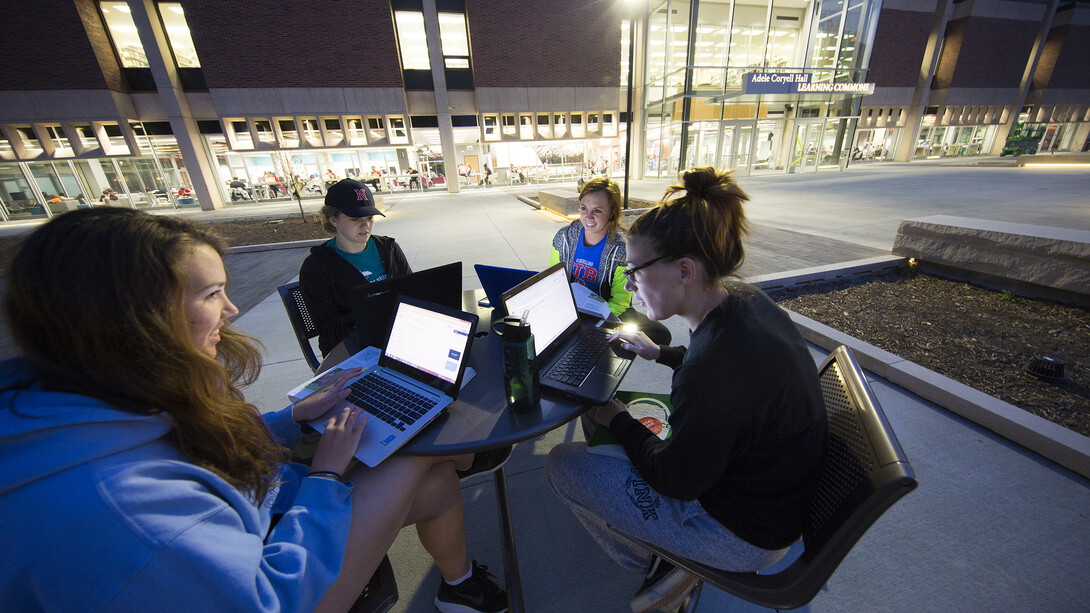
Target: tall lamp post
(628, 114)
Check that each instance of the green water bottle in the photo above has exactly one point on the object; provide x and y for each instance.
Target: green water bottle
(520, 376)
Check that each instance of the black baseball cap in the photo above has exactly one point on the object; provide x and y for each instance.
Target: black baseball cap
(352, 198)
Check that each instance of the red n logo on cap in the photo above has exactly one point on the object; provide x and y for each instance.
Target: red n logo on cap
(361, 195)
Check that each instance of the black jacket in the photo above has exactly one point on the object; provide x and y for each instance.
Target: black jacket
(325, 279)
(748, 429)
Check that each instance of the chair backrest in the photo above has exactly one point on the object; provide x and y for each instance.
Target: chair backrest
(865, 472)
(301, 322)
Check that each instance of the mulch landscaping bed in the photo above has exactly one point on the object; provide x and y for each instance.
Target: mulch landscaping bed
(978, 337)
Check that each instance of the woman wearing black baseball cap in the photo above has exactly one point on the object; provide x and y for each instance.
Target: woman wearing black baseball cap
(353, 256)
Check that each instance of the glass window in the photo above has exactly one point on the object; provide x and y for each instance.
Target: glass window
(826, 39)
(656, 44)
(264, 130)
(311, 132)
(747, 37)
(46, 178)
(334, 133)
(27, 140)
(490, 127)
(678, 35)
(354, 130)
(122, 29)
(181, 43)
(398, 133)
(16, 194)
(849, 44)
(6, 152)
(412, 40)
(452, 34)
(289, 136)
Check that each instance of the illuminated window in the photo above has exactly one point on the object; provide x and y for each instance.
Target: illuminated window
(398, 133)
(412, 40)
(181, 43)
(491, 123)
(455, 42)
(122, 29)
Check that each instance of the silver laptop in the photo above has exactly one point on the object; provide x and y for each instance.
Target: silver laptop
(572, 358)
(418, 374)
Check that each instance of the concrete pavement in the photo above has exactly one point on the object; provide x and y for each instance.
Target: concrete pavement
(991, 527)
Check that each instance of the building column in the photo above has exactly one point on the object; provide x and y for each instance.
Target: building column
(442, 103)
(1005, 128)
(157, 49)
(906, 146)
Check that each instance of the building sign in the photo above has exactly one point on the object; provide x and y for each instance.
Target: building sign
(797, 83)
(865, 89)
(773, 82)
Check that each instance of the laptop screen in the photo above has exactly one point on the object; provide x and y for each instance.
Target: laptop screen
(428, 341)
(547, 304)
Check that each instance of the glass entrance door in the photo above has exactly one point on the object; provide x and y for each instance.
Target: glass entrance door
(742, 147)
(807, 147)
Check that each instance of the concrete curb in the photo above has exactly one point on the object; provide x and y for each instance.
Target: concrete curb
(314, 242)
(1051, 441)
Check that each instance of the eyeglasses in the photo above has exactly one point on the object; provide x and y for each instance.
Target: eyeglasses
(632, 270)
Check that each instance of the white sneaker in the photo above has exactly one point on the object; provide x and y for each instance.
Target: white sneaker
(667, 585)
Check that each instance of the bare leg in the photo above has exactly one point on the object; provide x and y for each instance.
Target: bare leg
(399, 492)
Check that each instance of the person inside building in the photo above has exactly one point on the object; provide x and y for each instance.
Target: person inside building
(593, 247)
(732, 484)
(353, 256)
(130, 449)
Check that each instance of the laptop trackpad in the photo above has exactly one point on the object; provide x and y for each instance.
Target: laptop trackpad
(613, 367)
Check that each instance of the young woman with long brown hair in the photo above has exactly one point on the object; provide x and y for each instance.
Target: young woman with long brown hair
(135, 476)
(731, 485)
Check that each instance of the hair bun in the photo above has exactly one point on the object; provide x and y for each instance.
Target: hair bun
(698, 181)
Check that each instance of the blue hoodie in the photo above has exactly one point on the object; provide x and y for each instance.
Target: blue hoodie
(100, 512)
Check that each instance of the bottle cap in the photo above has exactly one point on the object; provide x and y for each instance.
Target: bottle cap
(515, 329)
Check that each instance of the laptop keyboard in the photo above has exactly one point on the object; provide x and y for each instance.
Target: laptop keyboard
(392, 404)
(575, 365)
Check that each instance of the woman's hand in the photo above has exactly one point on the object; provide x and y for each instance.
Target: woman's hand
(330, 395)
(339, 441)
(605, 413)
(637, 342)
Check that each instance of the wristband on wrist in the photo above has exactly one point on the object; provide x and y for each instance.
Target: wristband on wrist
(326, 474)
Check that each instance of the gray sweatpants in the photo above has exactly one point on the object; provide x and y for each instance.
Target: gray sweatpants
(605, 491)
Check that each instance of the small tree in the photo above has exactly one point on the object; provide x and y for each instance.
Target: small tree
(292, 175)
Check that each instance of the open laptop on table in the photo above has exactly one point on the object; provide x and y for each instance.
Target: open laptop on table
(418, 374)
(496, 280)
(572, 358)
(373, 303)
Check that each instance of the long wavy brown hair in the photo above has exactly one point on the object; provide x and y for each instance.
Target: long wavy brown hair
(96, 302)
(706, 222)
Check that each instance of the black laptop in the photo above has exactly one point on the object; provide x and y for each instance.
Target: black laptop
(572, 357)
(373, 304)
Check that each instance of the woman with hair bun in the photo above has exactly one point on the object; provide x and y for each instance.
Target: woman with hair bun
(731, 486)
(135, 476)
